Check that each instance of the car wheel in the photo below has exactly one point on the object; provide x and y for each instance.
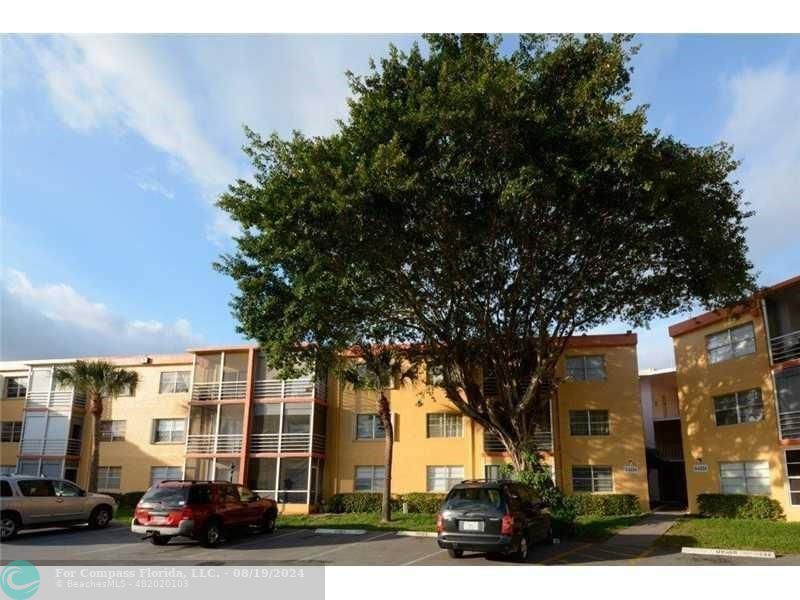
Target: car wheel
(211, 536)
(9, 527)
(454, 553)
(521, 555)
(267, 523)
(160, 540)
(100, 517)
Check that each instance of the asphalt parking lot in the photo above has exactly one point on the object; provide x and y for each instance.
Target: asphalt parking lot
(118, 546)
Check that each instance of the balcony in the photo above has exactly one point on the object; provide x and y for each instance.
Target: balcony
(666, 408)
(785, 347)
(214, 444)
(219, 390)
(50, 447)
(787, 383)
(782, 309)
(42, 400)
(287, 442)
(493, 445)
(670, 451)
(278, 389)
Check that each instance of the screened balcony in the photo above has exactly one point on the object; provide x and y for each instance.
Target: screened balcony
(268, 385)
(220, 376)
(215, 429)
(783, 317)
(51, 433)
(284, 427)
(44, 392)
(787, 383)
(287, 479)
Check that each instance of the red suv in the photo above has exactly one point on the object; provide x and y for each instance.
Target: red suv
(201, 510)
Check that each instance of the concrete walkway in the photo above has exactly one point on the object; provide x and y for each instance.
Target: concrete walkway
(642, 535)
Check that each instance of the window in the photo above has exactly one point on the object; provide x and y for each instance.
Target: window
(588, 422)
(739, 407)
(7, 469)
(369, 478)
(169, 431)
(36, 488)
(112, 431)
(10, 431)
(16, 387)
(592, 478)
(5, 490)
(369, 427)
(750, 478)
(108, 478)
(161, 473)
(444, 425)
(173, 382)
(793, 471)
(442, 478)
(586, 368)
(731, 343)
(434, 375)
(65, 489)
(491, 472)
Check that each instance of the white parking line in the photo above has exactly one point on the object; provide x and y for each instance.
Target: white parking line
(421, 558)
(339, 547)
(211, 551)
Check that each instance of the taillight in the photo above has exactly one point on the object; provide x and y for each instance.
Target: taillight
(187, 513)
(507, 527)
(439, 523)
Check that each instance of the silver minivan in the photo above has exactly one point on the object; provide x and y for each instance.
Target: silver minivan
(33, 502)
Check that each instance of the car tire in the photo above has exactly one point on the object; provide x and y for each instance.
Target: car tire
(160, 540)
(9, 526)
(267, 522)
(455, 553)
(100, 517)
(521, 555)
(211, 535)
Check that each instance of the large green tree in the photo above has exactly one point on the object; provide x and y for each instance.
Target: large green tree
(483, 207)
(98, 380)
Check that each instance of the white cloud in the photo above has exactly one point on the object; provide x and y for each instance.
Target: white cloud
(148, 184)
(51, 320)
(764, 127)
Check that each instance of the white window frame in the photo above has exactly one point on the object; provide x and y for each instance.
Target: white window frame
(375, 474)
(106, 475)
(593, 479)
(20, 389)
(581, 373)
(173, 472)
(172, 431)
(739, 399)
(446, 424)
(730, 344)
(454, 475)
(376, 423)
(12, 427)
(590, 422)
(793, 478)
(745, 478)
(170, 380)
(116, 432)
(8, 469)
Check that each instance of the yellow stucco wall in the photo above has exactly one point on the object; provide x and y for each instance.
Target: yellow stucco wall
(10, 410)
(698, 383)
(414, 451)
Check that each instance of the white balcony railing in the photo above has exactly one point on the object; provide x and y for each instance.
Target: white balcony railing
(286, 442)
(790, 424)
(670, 451)
(215, 391)
(284, 388)
(226, 443)
(54, 400)
(50, 446)
(785, 347)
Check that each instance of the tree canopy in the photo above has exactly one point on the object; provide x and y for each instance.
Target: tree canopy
(482, 207)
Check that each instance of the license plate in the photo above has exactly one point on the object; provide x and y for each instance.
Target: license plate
(470, 525)
(157, 520)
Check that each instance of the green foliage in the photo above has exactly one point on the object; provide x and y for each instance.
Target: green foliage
(419, 502)
(740, 506)
(605, 505)
(357, 502)
(128, 500)
(743, 534)
(478, 208)
(99, 379)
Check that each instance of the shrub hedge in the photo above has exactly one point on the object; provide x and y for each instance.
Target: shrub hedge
(604, 505)
(740, 506)
(127, 500)
(371, 502)
(420, 502)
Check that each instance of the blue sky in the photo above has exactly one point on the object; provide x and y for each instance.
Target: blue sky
(114, 148)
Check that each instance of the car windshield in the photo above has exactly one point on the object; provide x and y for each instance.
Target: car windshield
(167, 496)
(474, 499)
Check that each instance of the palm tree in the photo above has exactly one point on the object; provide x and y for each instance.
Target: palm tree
(377, 368)
(97, 380)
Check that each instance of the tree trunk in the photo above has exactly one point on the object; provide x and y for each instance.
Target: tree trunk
(96, 409)
(385, 415)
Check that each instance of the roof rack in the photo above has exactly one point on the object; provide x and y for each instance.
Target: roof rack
(486, 481)
(196, 481)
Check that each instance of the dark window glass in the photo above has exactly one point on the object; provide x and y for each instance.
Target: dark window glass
(200, 494)
(36, 488)
(5, 489)
(474, 498)
(166, 496)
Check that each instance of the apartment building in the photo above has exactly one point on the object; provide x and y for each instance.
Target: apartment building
(738, 378)
(222, 413)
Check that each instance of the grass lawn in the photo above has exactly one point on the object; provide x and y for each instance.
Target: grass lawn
(591, 528)
(124, 515)
(400, 522)
(741, 534)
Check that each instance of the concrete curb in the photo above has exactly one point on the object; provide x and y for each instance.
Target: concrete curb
(427, 534)
(725, 552)
(341, 531)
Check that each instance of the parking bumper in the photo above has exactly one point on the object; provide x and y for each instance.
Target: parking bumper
(184, 528)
